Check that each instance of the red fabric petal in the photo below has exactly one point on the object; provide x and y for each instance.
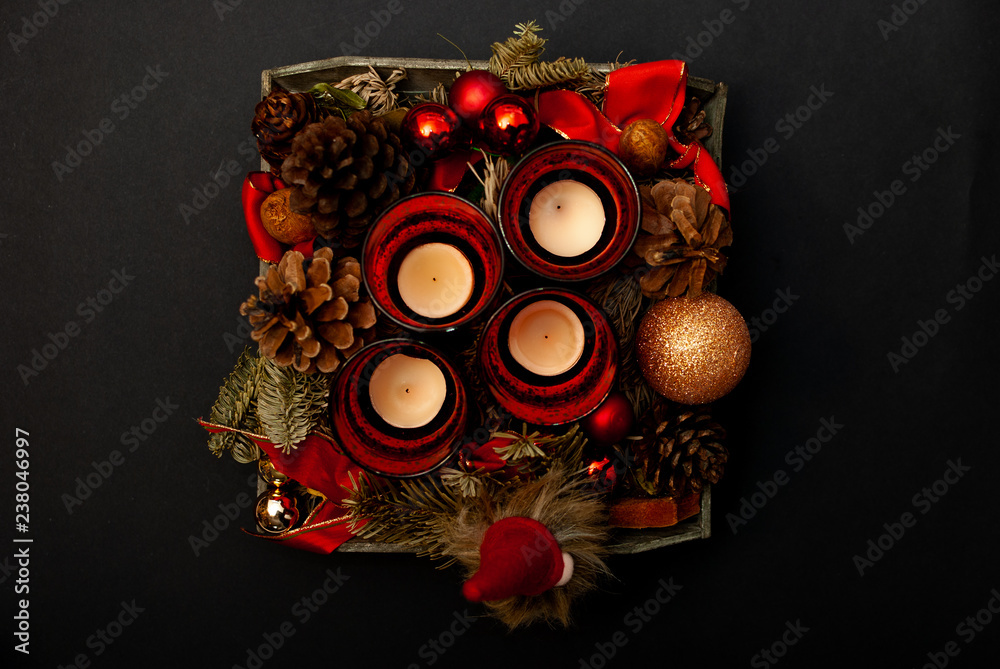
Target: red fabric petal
(256, 187)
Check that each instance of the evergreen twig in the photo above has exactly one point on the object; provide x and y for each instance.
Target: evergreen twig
(290, 404)
(236, 408)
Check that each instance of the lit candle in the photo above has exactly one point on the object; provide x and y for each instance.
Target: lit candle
(435, 280)
(566, 218)
(546, 338)
(407, 392)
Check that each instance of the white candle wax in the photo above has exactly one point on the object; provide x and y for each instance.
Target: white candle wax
(407, 392)
(546, 338)
(566, 218)
(435, 280)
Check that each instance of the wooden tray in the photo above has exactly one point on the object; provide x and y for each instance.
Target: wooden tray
(422, 75)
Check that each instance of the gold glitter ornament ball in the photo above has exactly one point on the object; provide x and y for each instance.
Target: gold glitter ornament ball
(693, 350)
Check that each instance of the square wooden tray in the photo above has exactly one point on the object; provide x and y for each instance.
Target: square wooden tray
(422, 75)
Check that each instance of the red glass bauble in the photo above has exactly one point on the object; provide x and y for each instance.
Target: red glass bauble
(611, 421)
(509, 124)
(431, 128)
(472, 91)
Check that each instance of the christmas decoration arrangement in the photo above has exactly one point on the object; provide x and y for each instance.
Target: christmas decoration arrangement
(487, 325)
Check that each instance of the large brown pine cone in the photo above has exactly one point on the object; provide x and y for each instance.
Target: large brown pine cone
(276, 120)
(344, 173)
(686, 234)
(682, 449)
(310, 314)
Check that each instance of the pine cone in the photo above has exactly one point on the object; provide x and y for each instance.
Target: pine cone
(682, 449)
(276, 120)
(691, 124)
(686, 235)
(345, 172)
(308, 314)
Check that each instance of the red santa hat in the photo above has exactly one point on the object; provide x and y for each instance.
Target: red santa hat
(518, 556)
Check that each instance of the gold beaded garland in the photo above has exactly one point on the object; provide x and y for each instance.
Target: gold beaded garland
(693, 350)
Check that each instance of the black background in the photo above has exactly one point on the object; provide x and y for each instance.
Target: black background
(162, 338)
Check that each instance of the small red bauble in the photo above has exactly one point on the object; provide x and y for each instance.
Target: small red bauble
(611, 421)
(472, 91)
(432, 128)
(509, 124)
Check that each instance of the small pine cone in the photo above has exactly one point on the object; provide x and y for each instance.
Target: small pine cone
(686, 235)
(276, 120)
(682, 449)
(346, 172)
(310, 314)
(691, 124)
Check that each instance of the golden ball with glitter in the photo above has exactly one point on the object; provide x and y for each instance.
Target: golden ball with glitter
(693, 350)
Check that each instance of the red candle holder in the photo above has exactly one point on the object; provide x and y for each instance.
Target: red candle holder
(422, 219)
(586, 163)
(550, 400)
(379, 447)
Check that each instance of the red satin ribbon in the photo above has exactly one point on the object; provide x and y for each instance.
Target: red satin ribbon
(446, 172)
(316, 464)
(655, 90)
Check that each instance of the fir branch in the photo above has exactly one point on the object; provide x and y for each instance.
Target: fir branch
(468, 484)
(540, 75)
(290, 404)
(495, 171)
(236, 408)
(516, 52)
(620, 296)
(413, 513)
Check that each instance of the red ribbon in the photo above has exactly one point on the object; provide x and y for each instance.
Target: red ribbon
(655, 90)
(446, 172)
(256, 187)
(316, 464)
